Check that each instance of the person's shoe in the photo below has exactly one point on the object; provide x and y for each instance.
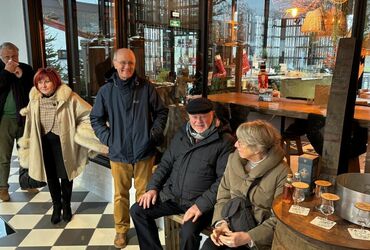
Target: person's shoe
(120, 240)
(67, 213)
(4, 194)
(57, 212)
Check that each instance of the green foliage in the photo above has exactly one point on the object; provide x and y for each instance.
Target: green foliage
(52, 59)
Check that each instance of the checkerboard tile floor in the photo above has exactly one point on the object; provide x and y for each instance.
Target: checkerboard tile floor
(92, 225)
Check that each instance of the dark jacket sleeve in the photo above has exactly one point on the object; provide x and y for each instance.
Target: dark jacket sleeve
(99, 117)
(159, 113)
(207, 200)
(5, 79)
(163, 171)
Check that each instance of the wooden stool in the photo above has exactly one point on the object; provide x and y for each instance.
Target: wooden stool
(286, 143)
(172, 227)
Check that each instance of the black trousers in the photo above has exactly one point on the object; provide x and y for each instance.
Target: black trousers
(209, 245)
(60, 191)
(147, 231)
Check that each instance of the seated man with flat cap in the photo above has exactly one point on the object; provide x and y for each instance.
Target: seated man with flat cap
(187, 178)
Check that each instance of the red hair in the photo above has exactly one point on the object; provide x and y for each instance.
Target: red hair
(53, 75)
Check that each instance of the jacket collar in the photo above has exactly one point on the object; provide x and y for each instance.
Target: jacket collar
(62, 93)
(274, 156)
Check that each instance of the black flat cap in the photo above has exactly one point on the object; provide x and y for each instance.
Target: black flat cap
(199, 106)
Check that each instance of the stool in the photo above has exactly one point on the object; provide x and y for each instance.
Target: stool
(287, 139)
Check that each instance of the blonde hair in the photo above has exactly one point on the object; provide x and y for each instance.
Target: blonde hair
(258, 134)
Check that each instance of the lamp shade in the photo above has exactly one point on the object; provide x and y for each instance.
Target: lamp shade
(313, 21)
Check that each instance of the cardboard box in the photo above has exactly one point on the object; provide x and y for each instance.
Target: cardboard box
(307, 167)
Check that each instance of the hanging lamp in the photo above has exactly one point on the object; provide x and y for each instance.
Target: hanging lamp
(313, 21)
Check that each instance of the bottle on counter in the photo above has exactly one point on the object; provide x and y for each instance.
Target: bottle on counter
(297, 177)
(288, 189)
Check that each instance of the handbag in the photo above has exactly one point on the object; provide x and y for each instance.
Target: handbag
(26, 182)
(238, 212)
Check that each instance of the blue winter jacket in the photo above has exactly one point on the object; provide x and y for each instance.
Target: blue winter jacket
(136, 118)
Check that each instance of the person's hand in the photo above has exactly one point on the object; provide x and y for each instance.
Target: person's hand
(221, 229)
(235, 239)
(11, 66)
(18, 72)
(192, 212)
(148, 199)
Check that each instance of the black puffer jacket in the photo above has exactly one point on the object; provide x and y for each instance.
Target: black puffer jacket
(190, 174)
(20, 87)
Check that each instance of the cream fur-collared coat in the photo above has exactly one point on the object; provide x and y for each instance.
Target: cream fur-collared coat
(72, 115)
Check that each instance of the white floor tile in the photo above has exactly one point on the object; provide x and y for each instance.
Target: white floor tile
(84, 221)
(25, 221)
(13, 179)
(11, 207)
(103, 237)
(91, 197)
(68, 248)
(8, 248)
(132, 248)
(41, 237)
(41, 197)
(109, 209)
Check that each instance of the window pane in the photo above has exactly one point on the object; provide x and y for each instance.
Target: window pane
(96, 37)
(55, 41)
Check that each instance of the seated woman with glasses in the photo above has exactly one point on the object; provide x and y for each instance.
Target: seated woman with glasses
(257, 169)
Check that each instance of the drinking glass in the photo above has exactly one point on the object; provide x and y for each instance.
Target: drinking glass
(326, 208)
(327, 205)
(363, 216)
(320, 188)
(298, 194)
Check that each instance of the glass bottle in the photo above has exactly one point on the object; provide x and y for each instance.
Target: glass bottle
(297, 177)
(288, 189)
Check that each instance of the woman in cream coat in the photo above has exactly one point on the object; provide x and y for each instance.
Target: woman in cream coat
(48, 148)
(258, 155)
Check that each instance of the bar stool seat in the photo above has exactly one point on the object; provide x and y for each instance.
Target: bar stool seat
(286, 142)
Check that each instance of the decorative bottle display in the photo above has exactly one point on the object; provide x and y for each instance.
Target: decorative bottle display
(288, 189)
(263, 80)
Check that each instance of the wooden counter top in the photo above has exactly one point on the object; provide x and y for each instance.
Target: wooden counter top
(282, 106)
(337, 237)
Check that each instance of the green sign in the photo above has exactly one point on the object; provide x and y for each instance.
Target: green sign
(175, 23)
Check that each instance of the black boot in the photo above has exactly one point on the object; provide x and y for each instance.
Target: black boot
(55, 193)
(57, 212)
(67, 194)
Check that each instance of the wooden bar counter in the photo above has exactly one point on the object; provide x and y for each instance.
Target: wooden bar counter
(291, 108)
(294, 232)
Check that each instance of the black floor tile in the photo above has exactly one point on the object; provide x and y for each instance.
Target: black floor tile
(92, 208)
(45, 223)
(36, 208)
(78, 196)
(106, 221)
(73, 237)
(14, 239)
(21, 196)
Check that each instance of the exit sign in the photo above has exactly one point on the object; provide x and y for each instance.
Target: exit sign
(175, 23)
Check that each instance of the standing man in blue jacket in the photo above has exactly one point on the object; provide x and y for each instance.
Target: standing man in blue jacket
(129, 117)
(187, 178)
(16, 81)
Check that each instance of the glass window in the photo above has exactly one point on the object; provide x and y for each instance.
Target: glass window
(55, 39)
(298, 42)
(96, 38)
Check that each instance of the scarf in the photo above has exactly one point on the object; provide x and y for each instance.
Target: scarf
(195, 137)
